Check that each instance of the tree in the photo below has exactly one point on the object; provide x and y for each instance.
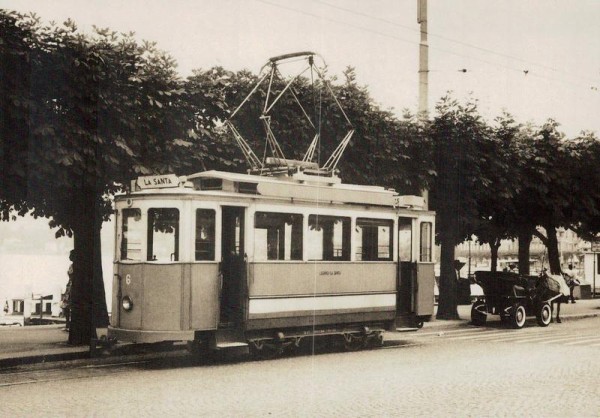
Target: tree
(495, 209)
(82, 115)
(457, 133)
(543, 197)
(584, 176)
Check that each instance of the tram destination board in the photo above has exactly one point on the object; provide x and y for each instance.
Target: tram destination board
(155, 182)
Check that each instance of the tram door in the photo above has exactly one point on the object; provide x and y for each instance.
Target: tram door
(406, 267)
(233, 266)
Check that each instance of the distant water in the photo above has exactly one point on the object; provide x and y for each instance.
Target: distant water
(24, 274)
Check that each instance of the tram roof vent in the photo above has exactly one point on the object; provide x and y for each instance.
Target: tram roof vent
(210, 184)
(246, 187)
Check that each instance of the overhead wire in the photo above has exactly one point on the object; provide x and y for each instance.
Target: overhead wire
(456, 41)
(397, 38)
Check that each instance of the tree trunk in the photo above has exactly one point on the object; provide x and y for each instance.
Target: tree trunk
(525, 237)
(88, 303)
(553, 252)
(448, 288)
(494, 247)
(80, 331)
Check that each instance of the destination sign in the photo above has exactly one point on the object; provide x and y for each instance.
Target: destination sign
(158, 182)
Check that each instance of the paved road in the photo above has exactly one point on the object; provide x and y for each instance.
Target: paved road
(573, 334)
(490, 371)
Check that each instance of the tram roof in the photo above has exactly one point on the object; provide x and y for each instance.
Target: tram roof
(297, 186)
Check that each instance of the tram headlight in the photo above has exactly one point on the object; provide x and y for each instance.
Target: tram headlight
(127, 303)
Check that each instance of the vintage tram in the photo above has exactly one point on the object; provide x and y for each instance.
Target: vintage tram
(227, 259)
(268, 258)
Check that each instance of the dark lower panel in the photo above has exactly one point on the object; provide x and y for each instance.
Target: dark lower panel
(309, 321)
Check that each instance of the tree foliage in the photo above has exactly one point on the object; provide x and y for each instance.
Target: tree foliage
(81, 116)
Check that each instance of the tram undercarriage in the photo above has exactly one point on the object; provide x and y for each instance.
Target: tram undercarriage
(270, 343)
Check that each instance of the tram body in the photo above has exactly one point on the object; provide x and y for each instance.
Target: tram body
(233, 259)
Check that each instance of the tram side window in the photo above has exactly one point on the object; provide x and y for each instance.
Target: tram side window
(426, 242)
(163, 234)
(132, 231)
(373, 239)
(205, 234)
(277, 236)
(328, 238)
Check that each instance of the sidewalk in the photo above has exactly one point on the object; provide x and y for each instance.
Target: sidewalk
(48, 343)
(582, 309)
(36, 344)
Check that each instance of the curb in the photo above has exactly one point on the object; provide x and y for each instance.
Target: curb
(175, 351)
(461, 323)
(43, 358)
(102, 356)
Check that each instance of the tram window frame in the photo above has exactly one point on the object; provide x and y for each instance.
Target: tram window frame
(405, 239)
(209, 243)
(426, 242)
(151, 256)
(367, 236)
(279, 245)
(318, 223)
(127, 243)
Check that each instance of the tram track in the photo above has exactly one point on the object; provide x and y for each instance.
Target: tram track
(67, 370)
(60, 373)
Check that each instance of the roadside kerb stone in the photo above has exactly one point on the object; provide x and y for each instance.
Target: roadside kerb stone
(140, 352)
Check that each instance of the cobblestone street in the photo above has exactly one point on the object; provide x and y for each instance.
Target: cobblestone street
(467, 372)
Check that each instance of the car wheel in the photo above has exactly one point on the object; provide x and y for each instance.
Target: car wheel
(518, 316)
(544, 315)
(478, 313)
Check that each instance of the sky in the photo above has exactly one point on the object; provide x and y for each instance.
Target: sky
(536, 59)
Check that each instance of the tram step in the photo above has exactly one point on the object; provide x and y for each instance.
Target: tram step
(233, 344)
(407, 329)
(230, 338)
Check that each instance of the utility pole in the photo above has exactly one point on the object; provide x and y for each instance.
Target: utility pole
(423, 72)
(423, 59)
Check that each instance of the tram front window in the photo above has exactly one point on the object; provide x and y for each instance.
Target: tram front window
(373, 239)
(163, 234)
(131, 240)
(277, 236)
(328, 238)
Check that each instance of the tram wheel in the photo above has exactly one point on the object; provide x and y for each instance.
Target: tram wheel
(416, 322)
(200, 350)
(354, 341)
(376, 340)
(266, 349)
